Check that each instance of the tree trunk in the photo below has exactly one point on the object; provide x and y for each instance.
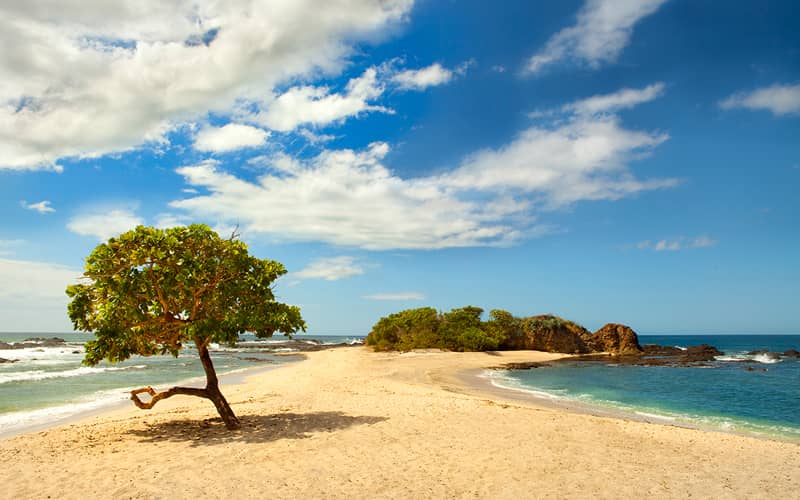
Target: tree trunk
(212, 390)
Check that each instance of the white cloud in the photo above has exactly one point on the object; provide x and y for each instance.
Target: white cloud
(84, 79)
(779, 99)
(32, 295)
(584, 159)
(314, 138)
(104, 224)
(347, 198)
(331, 268)
(622, 99)
(317, 106)
(420, 79)
(676, 244)
(230, 137)
(602, 30)
(403, 296)
(7, 246)
(351, 198)
(42, 207)
(167, 220)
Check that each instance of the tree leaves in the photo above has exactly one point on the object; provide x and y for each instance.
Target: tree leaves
(151, 290)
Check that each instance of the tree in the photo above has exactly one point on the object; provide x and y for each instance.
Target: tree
(150, 291)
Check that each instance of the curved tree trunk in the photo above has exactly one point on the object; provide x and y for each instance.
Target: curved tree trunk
(211, 391)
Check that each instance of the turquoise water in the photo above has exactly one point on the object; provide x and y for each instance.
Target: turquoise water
(738, 392)
(47, 384)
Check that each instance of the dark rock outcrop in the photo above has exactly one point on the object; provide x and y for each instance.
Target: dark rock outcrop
(661, 350)
(549, 333)
(45, 342)
(34, 342)
(523, 365)
(791, 353)
(699, 353)
(4, 360)
(613, 338)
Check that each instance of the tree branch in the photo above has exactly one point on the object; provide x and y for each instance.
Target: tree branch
(159, 293)
(155, 397)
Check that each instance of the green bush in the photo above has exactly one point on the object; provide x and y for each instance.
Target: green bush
(459, 330)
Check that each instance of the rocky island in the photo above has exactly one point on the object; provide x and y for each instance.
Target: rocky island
(462, 329)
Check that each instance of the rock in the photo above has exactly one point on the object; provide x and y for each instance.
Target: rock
(657, 355)
(791, 353)
(661, 350)
(34, 342)
(699, 353)
(524, 365)
(4, 360)
(550, 334)
(768, 354)
(614, 338)
(252, 358)
(46, 342)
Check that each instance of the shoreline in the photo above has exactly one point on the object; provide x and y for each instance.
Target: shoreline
(101, 407)
(351, 423)
(480, 382)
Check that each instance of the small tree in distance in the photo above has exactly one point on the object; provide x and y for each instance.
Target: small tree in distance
(150, 291)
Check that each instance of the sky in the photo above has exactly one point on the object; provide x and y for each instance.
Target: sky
(630, 161)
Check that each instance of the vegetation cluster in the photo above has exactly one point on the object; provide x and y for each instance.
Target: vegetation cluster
(461, 329)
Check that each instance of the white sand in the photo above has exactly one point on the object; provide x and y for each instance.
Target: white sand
(349, 423)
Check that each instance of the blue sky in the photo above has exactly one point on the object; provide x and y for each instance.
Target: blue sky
(604, 160)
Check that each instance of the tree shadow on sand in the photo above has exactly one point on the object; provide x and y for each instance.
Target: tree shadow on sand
(255, 428)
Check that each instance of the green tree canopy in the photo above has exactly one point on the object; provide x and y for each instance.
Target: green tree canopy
(461, 329)
(150, 291)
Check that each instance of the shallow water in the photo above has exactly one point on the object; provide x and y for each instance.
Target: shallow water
(738, 392)
(50, 383)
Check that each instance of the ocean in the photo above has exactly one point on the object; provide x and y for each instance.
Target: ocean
(48, 385)
(737, 392)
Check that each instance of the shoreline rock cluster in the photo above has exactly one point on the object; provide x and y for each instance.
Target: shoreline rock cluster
(615, 343)
(34, 342)
(553, 334)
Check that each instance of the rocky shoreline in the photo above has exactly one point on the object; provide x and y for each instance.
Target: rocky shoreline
(619, 344)
(289, 346)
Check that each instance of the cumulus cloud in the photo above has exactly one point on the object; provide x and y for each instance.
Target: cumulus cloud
(87, 78)
(676, 244)
(43, 207)
(168, 220)
(494, 197)
(349, 198)
(584, 158)
(331, 268)
(402, 296)
(622, 99)
(104, 224)
(778, 99)
(228, 138)
(602, 30)
(7, 246)
(429, 76)
(317, 106)
(420, 79)
(32, 294)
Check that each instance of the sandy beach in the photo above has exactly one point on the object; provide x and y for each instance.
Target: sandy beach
(349, 423)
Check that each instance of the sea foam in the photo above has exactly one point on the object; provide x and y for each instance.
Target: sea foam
(22, 376)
